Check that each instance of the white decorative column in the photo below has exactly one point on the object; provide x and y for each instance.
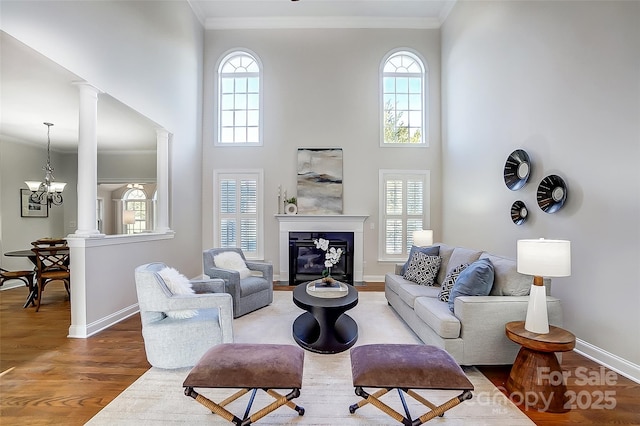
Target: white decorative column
(162, 176)
(87, 161)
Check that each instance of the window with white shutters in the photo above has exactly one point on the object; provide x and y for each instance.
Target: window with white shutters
(238, 211)
(404, 208)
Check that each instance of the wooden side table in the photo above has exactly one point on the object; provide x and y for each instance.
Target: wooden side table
(536, 377)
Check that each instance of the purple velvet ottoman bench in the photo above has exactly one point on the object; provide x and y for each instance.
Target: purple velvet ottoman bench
(248, 367)
(406, 367)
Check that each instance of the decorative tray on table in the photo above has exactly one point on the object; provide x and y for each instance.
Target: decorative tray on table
(327, 288)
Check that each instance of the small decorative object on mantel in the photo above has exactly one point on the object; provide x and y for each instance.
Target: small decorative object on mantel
(279, 199)
(517, 169)
(331, 257)
(552, 194)
(291, 206)
(519, 212)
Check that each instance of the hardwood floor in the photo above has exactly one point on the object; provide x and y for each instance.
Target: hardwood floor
(47, 378)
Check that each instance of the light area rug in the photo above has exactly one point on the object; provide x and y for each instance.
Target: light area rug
(157, 397)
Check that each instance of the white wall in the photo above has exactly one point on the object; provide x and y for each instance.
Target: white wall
(148, 55)
(559, 80)
(321, 90)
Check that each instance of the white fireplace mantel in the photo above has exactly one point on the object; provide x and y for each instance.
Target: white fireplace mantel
(321, 223)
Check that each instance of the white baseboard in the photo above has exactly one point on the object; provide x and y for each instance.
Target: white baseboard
(12, 285)
(373, 278)
(609, 360)
(82, 332)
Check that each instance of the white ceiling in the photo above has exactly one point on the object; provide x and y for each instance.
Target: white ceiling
(35, 89)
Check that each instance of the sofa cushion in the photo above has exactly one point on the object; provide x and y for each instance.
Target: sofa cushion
(423, 269)
(409, 292)
(507, 280)
(436, 314)
(445, 253)
(449, 281)
(462, 255)
(475, 280)
(429, 250)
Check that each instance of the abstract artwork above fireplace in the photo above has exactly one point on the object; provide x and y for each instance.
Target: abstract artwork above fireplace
(319, 181)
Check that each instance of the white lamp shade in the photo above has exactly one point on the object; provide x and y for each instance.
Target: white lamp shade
(423, 237)
(33, 185)
(129, 217)
(544, 258)
(58, 186)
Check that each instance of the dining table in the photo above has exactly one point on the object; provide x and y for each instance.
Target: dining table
(33, 288)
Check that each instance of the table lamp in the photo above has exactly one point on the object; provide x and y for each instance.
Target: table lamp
(542, 258)
(423, 237)
(129, 217)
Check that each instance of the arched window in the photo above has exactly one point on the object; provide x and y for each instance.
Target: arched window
(403, 94)
(239, 103)
(135, 211)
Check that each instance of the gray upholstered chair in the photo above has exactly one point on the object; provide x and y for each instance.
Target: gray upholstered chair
(249, 293)
(175, 343)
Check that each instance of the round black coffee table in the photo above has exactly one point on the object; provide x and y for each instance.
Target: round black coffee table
(325, 328)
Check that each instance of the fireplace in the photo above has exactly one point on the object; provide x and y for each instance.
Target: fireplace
(306, 262)
(320, 224)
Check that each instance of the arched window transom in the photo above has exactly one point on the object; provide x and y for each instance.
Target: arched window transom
(239, 112)
(403, 100)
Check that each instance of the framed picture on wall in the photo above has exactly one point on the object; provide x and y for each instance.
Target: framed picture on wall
(319, 181)
(30, 209)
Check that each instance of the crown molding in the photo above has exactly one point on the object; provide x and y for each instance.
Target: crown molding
(285, 22)
(446, 10)
(197, 10)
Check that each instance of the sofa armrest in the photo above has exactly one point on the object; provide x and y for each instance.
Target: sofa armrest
(207, 285)
(478, 310)
(265, 268)
(197, 301)
(483, 319)
(231, 279)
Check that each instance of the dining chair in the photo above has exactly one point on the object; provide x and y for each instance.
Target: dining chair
(52, 264)
(48, 241)
(25, 276)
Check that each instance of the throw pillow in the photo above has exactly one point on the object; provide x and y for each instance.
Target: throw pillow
(430, 250)
(475, 280)
(449, 281)
(423, 269)
(232, 260)
(177, 284)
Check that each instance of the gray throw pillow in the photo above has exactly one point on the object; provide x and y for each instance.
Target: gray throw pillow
(449, 281)
(475, 280)
(430, 250)
(423, 269)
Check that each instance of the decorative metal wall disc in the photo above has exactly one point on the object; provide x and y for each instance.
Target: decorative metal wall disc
(519, 212)
(517, 169)
(552, 194)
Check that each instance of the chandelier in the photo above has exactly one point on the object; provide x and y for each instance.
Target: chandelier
(47, 192)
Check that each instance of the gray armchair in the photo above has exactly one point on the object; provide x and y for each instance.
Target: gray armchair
(248, 294)
(175, 343)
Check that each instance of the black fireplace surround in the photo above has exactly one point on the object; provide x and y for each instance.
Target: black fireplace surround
(306, 262)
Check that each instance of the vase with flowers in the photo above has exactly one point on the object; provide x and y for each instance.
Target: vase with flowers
(331, 258)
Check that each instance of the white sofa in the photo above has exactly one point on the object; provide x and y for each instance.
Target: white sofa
(474, 333)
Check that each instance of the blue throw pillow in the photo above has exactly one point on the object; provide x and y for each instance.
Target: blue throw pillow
(428, 250)
(475, 280)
